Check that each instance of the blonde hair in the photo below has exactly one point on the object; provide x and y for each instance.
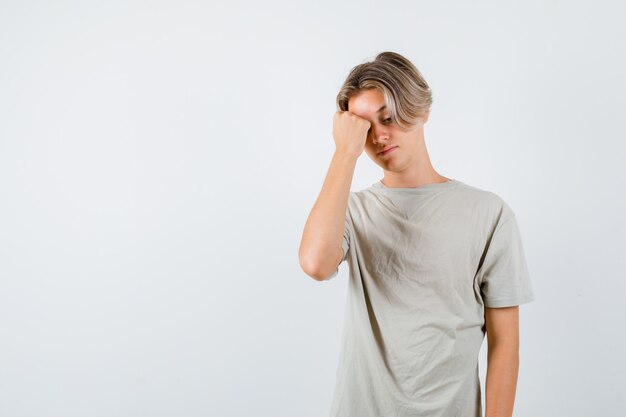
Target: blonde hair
(407, 95)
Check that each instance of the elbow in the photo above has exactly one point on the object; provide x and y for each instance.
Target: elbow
(316, 266)
(312, 269)
(316, 263)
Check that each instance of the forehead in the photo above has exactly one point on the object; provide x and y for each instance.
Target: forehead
(367, 103)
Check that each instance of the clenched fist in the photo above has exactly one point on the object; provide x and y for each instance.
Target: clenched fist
(350, 132)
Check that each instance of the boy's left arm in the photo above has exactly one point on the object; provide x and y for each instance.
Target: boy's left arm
(502, 360)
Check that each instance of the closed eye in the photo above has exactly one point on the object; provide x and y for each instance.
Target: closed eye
(386, 121)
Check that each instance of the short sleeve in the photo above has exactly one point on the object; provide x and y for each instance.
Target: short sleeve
(345, 244)
(503, 276)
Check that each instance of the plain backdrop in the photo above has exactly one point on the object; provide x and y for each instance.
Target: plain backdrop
(158, 161)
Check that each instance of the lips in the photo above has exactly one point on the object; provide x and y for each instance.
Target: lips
(386, 150)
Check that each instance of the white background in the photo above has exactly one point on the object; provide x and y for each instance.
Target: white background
(158, 161)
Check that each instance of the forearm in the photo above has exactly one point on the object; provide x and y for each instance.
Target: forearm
(501, 382)
(321, 239)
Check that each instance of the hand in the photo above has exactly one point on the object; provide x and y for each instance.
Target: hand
(350, 133)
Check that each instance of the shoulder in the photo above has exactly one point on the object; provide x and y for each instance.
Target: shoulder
(360, 196)
(476, 195)
(487, 202)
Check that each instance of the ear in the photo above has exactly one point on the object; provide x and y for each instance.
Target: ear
(425, 117)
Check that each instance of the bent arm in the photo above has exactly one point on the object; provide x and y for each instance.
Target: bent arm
(320, 249)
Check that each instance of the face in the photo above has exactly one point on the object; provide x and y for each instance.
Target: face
(384, 134)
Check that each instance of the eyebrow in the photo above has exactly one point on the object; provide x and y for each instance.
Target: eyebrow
(379, 110)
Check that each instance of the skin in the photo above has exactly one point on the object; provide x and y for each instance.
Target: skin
(407, 166)
(502, 360)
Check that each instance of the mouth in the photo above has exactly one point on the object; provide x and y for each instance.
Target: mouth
(386, 151)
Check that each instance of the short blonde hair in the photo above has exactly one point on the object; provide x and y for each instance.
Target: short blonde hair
(407, 95)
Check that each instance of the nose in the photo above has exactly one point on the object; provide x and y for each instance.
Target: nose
(379, 135)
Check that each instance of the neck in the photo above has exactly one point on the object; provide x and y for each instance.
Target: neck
(419, 172)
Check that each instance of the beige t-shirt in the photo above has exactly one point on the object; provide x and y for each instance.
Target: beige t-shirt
(424, 262)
